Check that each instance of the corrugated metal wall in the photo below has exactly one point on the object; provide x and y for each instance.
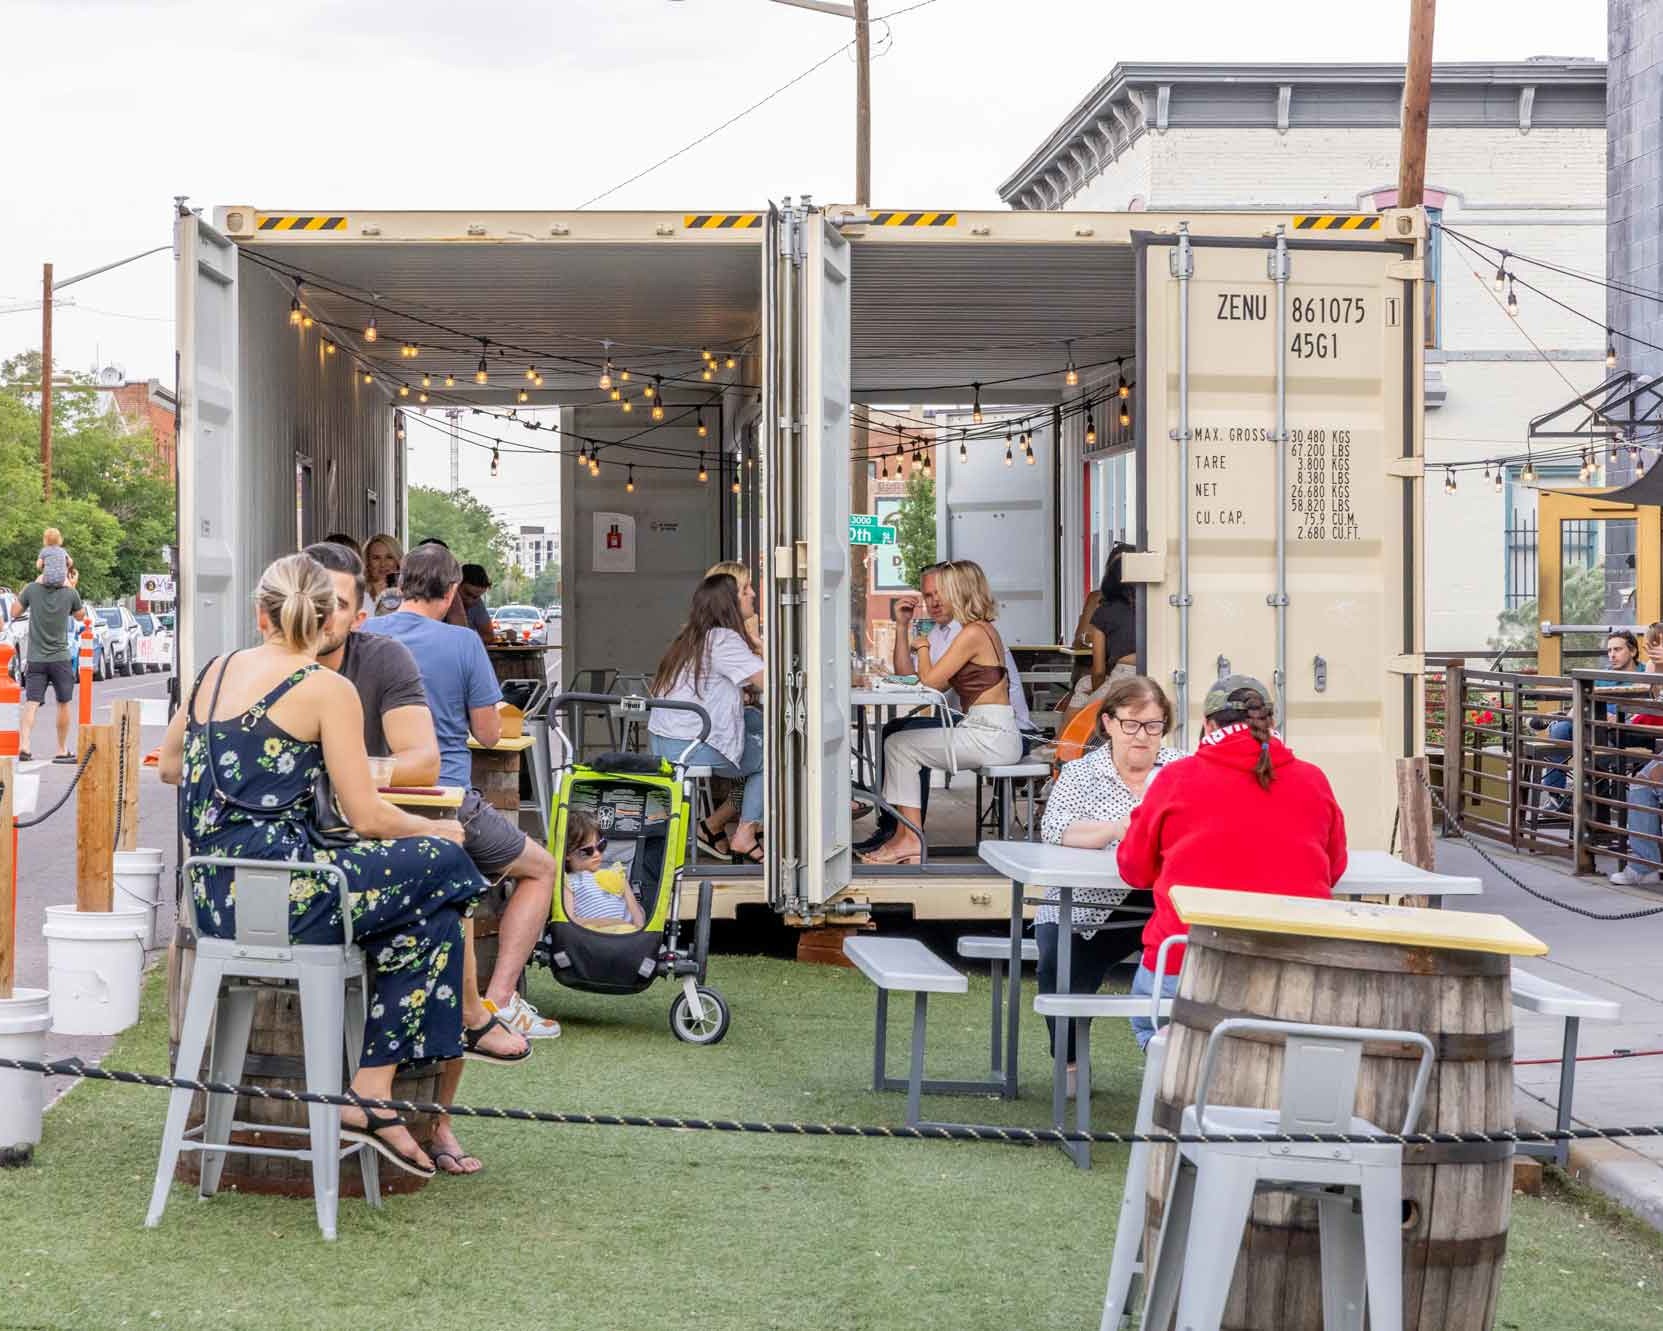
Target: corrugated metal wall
(298, 403)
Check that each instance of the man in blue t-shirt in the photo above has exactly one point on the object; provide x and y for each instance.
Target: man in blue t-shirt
(463, 693)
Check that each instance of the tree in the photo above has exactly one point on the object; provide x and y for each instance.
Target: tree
(473, 532)
(545, 587)
(915, 526)
(1583, 602)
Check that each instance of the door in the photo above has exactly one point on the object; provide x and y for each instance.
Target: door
(205, 312)
(1596, 568)
(804, 489)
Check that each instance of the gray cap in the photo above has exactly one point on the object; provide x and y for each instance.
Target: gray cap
(1218, 696)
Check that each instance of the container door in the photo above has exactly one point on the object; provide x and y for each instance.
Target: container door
(1004, 518)
(1330, 614)
(205, 312)
(805, 517)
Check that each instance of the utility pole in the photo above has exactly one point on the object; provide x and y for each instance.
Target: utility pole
(46, 382)
(863, 106)
(1417, 99)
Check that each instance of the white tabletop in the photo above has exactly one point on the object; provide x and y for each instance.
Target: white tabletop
(901, 695)
(1368, 872)
(1377, 872)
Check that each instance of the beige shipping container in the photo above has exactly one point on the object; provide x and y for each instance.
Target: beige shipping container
(1281, 443)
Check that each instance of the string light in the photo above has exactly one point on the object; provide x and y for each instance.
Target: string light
(976, 404)
(627, 405)
(370, 333)
(523, 395)
(1501, 273)
(294, 312)
(1125, 416)
(629, 483)
(1028, 450)
(1071, 376)
(305, 321)
(623, 376)
(368, 377)
(583, 453)
(1091, 429)
(652, 388)
(730, 362)
(1449, 480)
(329, 347)
(1009, 459)
(1512, 298)
(1125, 389)
(404, 390)
(606, 376)
(1610, 350)
(703, 474)
(421, 396)
(964, 453)
(531, 374)
(929, 464)
(1498, 481)
(496, 460)
(707, 374)
(657, 400)
(617, 394)
(737, 458)
(482, 375)
(537, 379)
(427, 379)
(704, 430)
(450, 379)
(1528, 475)
(409, 351)
(704, 353)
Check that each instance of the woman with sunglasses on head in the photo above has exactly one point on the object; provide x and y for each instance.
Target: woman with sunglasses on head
(1091, 807)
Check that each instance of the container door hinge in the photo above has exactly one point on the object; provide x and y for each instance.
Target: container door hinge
(1278, 600)
(1180, 602)
(1319, 674)
(1408, 469)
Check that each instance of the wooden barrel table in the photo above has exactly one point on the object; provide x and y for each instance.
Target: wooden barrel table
(518, 662)
(1456, 1199)
(276, 1060)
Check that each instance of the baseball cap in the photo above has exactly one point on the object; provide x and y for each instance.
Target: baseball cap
(1218, 696)
(475, 575)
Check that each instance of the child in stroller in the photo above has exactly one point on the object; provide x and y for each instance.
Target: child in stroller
(596, 897)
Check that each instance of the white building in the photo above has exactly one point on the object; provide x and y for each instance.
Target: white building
(1516, 159)
(537, 549)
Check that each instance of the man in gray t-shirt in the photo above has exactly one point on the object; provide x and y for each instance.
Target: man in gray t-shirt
(51, 657)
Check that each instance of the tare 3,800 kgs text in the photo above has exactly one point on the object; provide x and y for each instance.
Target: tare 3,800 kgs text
(1319, 496)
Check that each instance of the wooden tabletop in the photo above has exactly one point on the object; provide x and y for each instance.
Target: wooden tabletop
(516, 647)
(448, 797)
(517, 744)
(1460, 931)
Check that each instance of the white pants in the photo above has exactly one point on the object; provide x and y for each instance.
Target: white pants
(986, 737)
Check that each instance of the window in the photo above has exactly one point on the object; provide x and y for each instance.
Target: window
(1519, 534)
(1108, 491)
(303, 502)
(1434, 274)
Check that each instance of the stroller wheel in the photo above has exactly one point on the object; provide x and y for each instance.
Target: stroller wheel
(706, 1029)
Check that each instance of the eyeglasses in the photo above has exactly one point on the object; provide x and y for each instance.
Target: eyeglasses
(595, 847)
(1154, 729)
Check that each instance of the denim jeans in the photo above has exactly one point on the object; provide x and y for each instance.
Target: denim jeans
(1143, 985)
(1646, 825)
(1089, 962)
(748, 768)
(1558, 776)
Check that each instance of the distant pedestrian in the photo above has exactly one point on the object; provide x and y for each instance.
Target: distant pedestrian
(475, 583)
(54, 564)
(50, 656)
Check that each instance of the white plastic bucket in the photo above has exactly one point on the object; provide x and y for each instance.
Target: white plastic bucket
(138, 886)
(94, 961)
(24, 1018)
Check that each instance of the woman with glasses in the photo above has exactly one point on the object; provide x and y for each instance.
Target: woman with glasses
(1091, 807)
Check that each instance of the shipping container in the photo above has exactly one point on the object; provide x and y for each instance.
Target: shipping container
(1269, 464)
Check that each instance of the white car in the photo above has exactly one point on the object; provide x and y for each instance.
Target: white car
(155, 643)
(123, 634)
(519, 623)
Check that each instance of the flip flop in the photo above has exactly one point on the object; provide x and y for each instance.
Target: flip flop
(65, 759)
(473, 1053)
(370, 1135)
(24, 756)
(458, 1158)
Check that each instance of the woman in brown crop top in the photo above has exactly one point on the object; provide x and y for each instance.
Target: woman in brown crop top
(973, 667)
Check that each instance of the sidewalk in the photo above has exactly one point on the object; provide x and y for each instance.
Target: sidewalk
(1622, 961)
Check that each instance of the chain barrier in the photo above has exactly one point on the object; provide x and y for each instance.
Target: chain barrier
(1451, 820)
(63, 799)
(74, 1067)
(120, 777)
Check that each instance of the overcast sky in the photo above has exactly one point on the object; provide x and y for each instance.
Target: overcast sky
(115, 106)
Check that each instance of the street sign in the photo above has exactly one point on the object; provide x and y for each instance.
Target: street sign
(155, 587)
(873, 535)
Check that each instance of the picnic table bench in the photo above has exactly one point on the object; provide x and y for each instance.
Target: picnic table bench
(1533, 993)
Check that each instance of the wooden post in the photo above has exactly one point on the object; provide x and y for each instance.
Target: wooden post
(863, 105)
(8, 882)
(1454, 744)
(1414, 804)
(95, 820)
(1417, 101)
(125, 716)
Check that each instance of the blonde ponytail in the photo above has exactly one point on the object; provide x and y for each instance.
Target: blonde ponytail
(297, 596)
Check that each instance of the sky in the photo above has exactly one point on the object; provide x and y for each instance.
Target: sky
(498, 104)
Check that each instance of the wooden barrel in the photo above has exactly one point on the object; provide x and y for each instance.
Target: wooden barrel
(276, 1059)
(496, 776)
(518, 662)
(1456, 1199)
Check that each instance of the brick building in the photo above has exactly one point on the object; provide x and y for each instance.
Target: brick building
(1516, 158)
(146, 405)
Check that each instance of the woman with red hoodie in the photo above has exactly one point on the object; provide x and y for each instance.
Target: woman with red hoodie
(1243, 813)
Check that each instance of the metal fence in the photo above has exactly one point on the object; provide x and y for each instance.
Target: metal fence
(1563, 765)
(1579, 545)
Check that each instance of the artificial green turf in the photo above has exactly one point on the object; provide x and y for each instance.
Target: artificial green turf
(600, 1228)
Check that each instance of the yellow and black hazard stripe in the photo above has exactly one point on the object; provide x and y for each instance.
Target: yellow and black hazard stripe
(721, 221)
(915, 219)
(1337, 222)
(303, 223)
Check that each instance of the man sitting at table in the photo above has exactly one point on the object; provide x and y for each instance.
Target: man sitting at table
(944, 628)
(1242, 814)
(462, 694)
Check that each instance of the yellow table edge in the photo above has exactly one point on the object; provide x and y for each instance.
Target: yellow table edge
(1408, 926)
(449, 797)
(517, 744)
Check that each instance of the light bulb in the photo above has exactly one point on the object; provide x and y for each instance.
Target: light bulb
(735, 486)
(537, 379)
(623, 376)
(294, 312)
(627, 405)
(594, 468)
(1449, 481)
(1610, 351)
(412, 350)
(1125, 417)
(964, 453)
(1091, 430)
(531, 373)
(976, 405)
(404, 390)
(1008, 458)
(704, 353)
(369, 330)
(329, 347)
(707, 374)
(1071, 376)
(1528, 475)
(704, 430)
(524, 396)
(629, 484)
(305, 321)
(1032, 460)
(703, 474)
(1501, 274)
(496, 462)
(1512, 299)
(450, 379)
(1498, 480)
(427, 379)
(730, 362)
(658, 411)
(1125, 390)
(368, 377)
(606, 377)
(617, 394)
(421, 397)
(482, 374)
(651, 390)
(883, 469)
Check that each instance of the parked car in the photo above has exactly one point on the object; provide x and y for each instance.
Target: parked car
(553, 611)
(16, 629)
(155, 643)
(123, 636)
(519, 623)
(13, 629)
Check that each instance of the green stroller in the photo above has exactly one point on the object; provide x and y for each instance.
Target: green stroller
(643, 806)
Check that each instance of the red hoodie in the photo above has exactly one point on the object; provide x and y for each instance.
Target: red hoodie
(1206, 822)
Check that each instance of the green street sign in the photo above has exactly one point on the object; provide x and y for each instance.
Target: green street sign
(860, 533)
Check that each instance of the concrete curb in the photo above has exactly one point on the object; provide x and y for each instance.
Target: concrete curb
(1633, 1180)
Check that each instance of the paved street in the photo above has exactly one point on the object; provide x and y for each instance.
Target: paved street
(46, 854)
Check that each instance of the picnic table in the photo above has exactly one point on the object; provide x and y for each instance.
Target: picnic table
(426, 801)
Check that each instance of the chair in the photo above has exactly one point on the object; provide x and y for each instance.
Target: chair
(1358, 1188)
(330, 978)
(1005, 778)
(1126, 1267)
(593, 681)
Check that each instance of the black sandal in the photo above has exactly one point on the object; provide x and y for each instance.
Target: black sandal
(370, 1135)
(713, 843)
(751, 856)
(472, 1052)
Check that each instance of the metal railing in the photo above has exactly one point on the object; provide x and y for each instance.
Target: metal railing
(1564, 765)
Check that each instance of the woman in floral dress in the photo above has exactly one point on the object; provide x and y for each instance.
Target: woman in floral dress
(259, 726)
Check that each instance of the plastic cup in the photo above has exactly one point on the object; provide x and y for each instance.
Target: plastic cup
(381, 771)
